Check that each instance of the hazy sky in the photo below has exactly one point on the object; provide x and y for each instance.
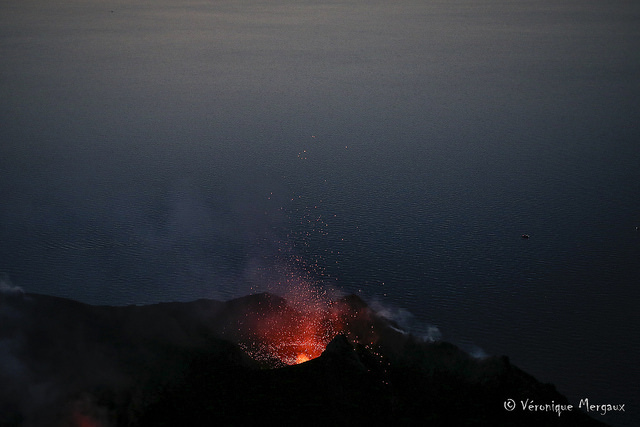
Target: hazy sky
(148, 125)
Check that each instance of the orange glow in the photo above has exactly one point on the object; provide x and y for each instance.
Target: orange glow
(81, 420)
(302, 358)
(296, 332)
(300, 336)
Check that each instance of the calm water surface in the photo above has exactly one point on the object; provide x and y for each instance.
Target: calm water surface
(163, 150)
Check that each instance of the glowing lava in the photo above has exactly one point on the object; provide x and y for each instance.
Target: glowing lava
(81, 420)
(302, 358)
(291, 330)
(296, 337)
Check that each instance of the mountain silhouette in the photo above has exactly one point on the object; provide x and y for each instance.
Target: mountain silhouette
(206, 362)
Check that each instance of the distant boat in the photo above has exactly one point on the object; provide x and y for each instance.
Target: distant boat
(525, 236)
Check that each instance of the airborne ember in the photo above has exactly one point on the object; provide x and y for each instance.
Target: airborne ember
(286, 334)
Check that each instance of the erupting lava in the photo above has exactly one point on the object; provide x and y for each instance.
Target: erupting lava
(292, 330)
(302, 358)
(82, 420)
(298, 336)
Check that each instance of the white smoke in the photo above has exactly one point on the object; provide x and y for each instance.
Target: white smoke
(7, 288)
(406, 321)
(472, 349)
(477, 353)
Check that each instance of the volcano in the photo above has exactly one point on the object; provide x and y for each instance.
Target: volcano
(250, 360)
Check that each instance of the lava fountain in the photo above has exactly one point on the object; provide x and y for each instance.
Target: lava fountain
(293, 329)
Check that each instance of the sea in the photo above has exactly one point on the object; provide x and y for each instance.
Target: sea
(469, 167)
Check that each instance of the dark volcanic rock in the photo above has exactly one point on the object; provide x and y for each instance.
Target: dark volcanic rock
(66, 363)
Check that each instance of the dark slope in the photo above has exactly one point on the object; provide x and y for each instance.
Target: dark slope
(67, 363)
